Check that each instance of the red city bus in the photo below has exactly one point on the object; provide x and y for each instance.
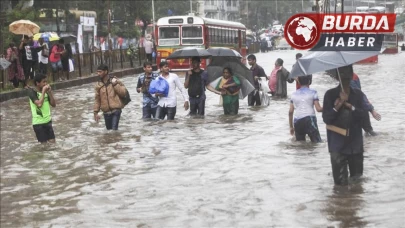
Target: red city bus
(177, 32)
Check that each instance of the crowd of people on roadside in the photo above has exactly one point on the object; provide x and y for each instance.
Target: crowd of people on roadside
(344, 111)
(29, 58)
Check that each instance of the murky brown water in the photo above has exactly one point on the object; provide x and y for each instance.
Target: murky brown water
(241, 171)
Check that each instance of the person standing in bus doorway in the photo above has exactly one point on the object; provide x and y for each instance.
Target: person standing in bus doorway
(167, 105)
(196, 82)
(148, 48)
(257, 72)
(150, 101)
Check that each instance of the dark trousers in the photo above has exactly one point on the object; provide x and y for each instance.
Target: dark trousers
(197, 106)
(42, 68)
(148, 112)
(307, 126)
(149, 57)
(112, 120)
(340, 162)
(254, 97)
(29, 67)
(162, 112)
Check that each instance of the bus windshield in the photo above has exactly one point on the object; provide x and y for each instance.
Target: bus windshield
(191, 35)
(169, 36)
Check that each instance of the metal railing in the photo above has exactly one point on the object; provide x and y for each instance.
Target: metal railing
(85, 64)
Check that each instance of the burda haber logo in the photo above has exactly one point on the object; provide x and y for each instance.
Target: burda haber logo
(360, 32)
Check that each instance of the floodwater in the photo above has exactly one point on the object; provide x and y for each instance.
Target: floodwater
(243, 171)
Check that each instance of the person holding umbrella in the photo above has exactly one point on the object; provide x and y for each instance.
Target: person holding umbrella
(343, 108)
(196, 82)
(29, 54)
(229, 87)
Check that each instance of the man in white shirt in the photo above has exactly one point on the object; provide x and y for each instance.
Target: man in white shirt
(167, 105)
(43, 56)
(148, 48)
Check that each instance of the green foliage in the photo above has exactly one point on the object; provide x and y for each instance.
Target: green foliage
(15, 14)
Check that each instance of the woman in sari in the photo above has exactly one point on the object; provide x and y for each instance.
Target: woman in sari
(229, 86)
(15, 70)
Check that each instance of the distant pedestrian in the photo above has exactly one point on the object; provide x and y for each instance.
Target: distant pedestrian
(29, 58)
(15, 70)
(278, 79)
(148, 44)
(41, 99)
(257, 73)
(297, 84)
(108, 93)
(55, 58)
(303, 102)
(43, 56)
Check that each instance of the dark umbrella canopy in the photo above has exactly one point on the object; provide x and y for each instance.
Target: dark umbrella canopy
(318, 61)
(217, 64)
(215, 69)
(69, 38)
(224, 52)
(186, 53)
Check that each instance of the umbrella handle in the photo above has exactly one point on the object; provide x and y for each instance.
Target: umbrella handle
(340, 80)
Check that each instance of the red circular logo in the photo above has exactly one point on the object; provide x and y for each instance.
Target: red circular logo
(302, 32)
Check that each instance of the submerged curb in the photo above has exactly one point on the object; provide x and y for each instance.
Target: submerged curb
(70, 83)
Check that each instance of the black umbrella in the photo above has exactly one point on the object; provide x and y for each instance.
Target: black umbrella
(216, 66)
(186, 53)
(224, 52)
(69, 38)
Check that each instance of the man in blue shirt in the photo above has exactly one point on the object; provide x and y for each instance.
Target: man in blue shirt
(149, 101)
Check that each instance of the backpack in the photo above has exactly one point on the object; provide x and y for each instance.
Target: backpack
(126, 99)
(195, 87)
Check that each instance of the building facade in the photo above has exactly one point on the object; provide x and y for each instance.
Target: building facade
(219, 9)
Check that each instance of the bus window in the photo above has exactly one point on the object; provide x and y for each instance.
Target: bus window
(192, 35)
(211, 33)
(169, 36)
(229, 36)
(235, 37)
(223, 36)
(217, 36)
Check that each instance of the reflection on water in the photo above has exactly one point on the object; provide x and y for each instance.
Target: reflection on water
(217, 171)
(343, 206)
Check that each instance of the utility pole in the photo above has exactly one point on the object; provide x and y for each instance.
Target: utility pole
(343, 6)
(191, 6)
(302, 6)
(153, 20)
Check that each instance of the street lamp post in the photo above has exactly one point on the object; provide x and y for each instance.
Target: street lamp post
(153, 20)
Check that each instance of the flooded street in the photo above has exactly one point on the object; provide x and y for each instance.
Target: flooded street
(242, 171)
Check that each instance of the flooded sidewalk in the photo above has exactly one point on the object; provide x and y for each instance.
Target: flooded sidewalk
(220, 171)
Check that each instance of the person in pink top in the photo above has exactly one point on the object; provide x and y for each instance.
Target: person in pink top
(278, 79)
(55, 57)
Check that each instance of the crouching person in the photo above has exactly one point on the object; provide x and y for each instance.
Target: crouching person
(109, 92)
